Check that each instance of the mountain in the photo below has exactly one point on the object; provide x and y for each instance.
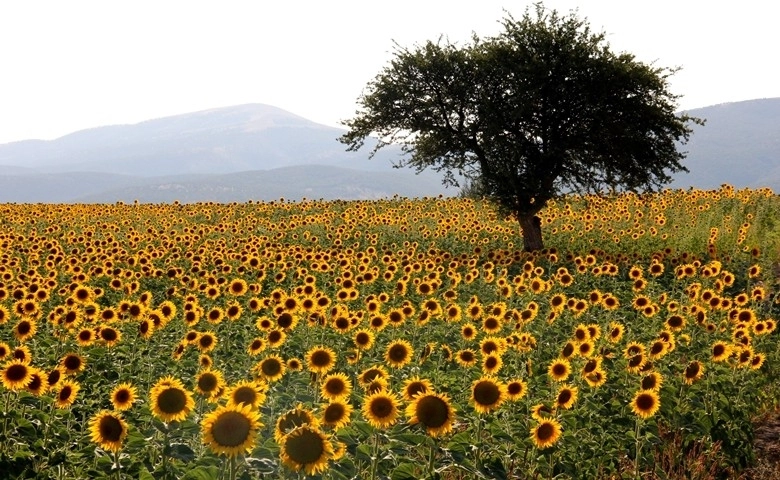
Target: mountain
(739, 144)
(218, 141)
(262, 152)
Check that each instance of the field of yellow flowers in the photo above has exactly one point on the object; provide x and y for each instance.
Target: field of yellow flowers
(398, 338)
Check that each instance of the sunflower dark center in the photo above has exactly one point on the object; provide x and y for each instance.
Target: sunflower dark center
(514, 388)
(645, 402)
(16, 373)
(305, 447)
(545, 432)
(334, 413)
(208, 382)
(320, 358)
(171, 400)
(381, 407)
(231, 429)
(398, 353)
(271, 367)
(335, 386)
(486, 393)
(111, 429)
(432, 412)
(245, 395)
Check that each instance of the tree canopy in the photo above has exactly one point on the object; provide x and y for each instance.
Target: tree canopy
(542, 109)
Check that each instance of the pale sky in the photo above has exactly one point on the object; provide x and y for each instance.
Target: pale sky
(70, 65)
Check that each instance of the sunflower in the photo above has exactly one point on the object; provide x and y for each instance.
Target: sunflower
(110, 336)
(414, 386)
(516, 389)
(586, 348)
(231, 430)
(546, 433)
(645, 403)
(658, 349)
(720, 351)
(320, 359)
(85, 337)
(756, 361)
(568, 350)
(257, 346)
(487, 394)
(336, 414)
(466, 357)
(433, 411)
(380, 409)
(489, 345)
(207, 341)
(596, 378)
(25, 329)
(54, 377)
(16, 375)
(581, 333)
(37, 385)
(66, 393)
(693, 372)
(559, 370)
(398, 353)
(247, 392)
(491, 364)
(468, 331)
(22, 353)
(209, 383)
(651, 381)
(271, 368)
(540, 412)
(108, 429)
(170, 401)
(364, 339)
(294, 364)
(123, 396)
(335, 386)
(72, 363)
(636, 363)
(5, 350)
(567, 397)
(292, 419)
(615, 332)
(307, 449)
(371, 374)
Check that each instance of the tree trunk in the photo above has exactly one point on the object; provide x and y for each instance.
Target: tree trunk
(532, 231)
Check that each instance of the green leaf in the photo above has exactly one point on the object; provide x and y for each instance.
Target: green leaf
(405, 471)
(202, 473)
(180, 451)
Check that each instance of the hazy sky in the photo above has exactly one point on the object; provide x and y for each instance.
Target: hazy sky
(69, 65)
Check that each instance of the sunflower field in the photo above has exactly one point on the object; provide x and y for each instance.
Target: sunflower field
(397, 338)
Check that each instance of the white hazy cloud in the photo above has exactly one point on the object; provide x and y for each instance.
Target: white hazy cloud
(69, 65)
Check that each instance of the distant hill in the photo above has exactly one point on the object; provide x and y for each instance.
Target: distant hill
(218, 141)
(739, 145)
(261, 152)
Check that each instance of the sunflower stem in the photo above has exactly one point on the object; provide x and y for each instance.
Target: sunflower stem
(232, 471)
(375, 456)
(432, 458)
(637, 448)
(116, 465)
(478, 450)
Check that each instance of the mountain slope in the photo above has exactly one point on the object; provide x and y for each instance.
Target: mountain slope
(218, 141)
(739, 144)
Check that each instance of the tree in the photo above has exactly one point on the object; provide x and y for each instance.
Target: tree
(543, 109)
